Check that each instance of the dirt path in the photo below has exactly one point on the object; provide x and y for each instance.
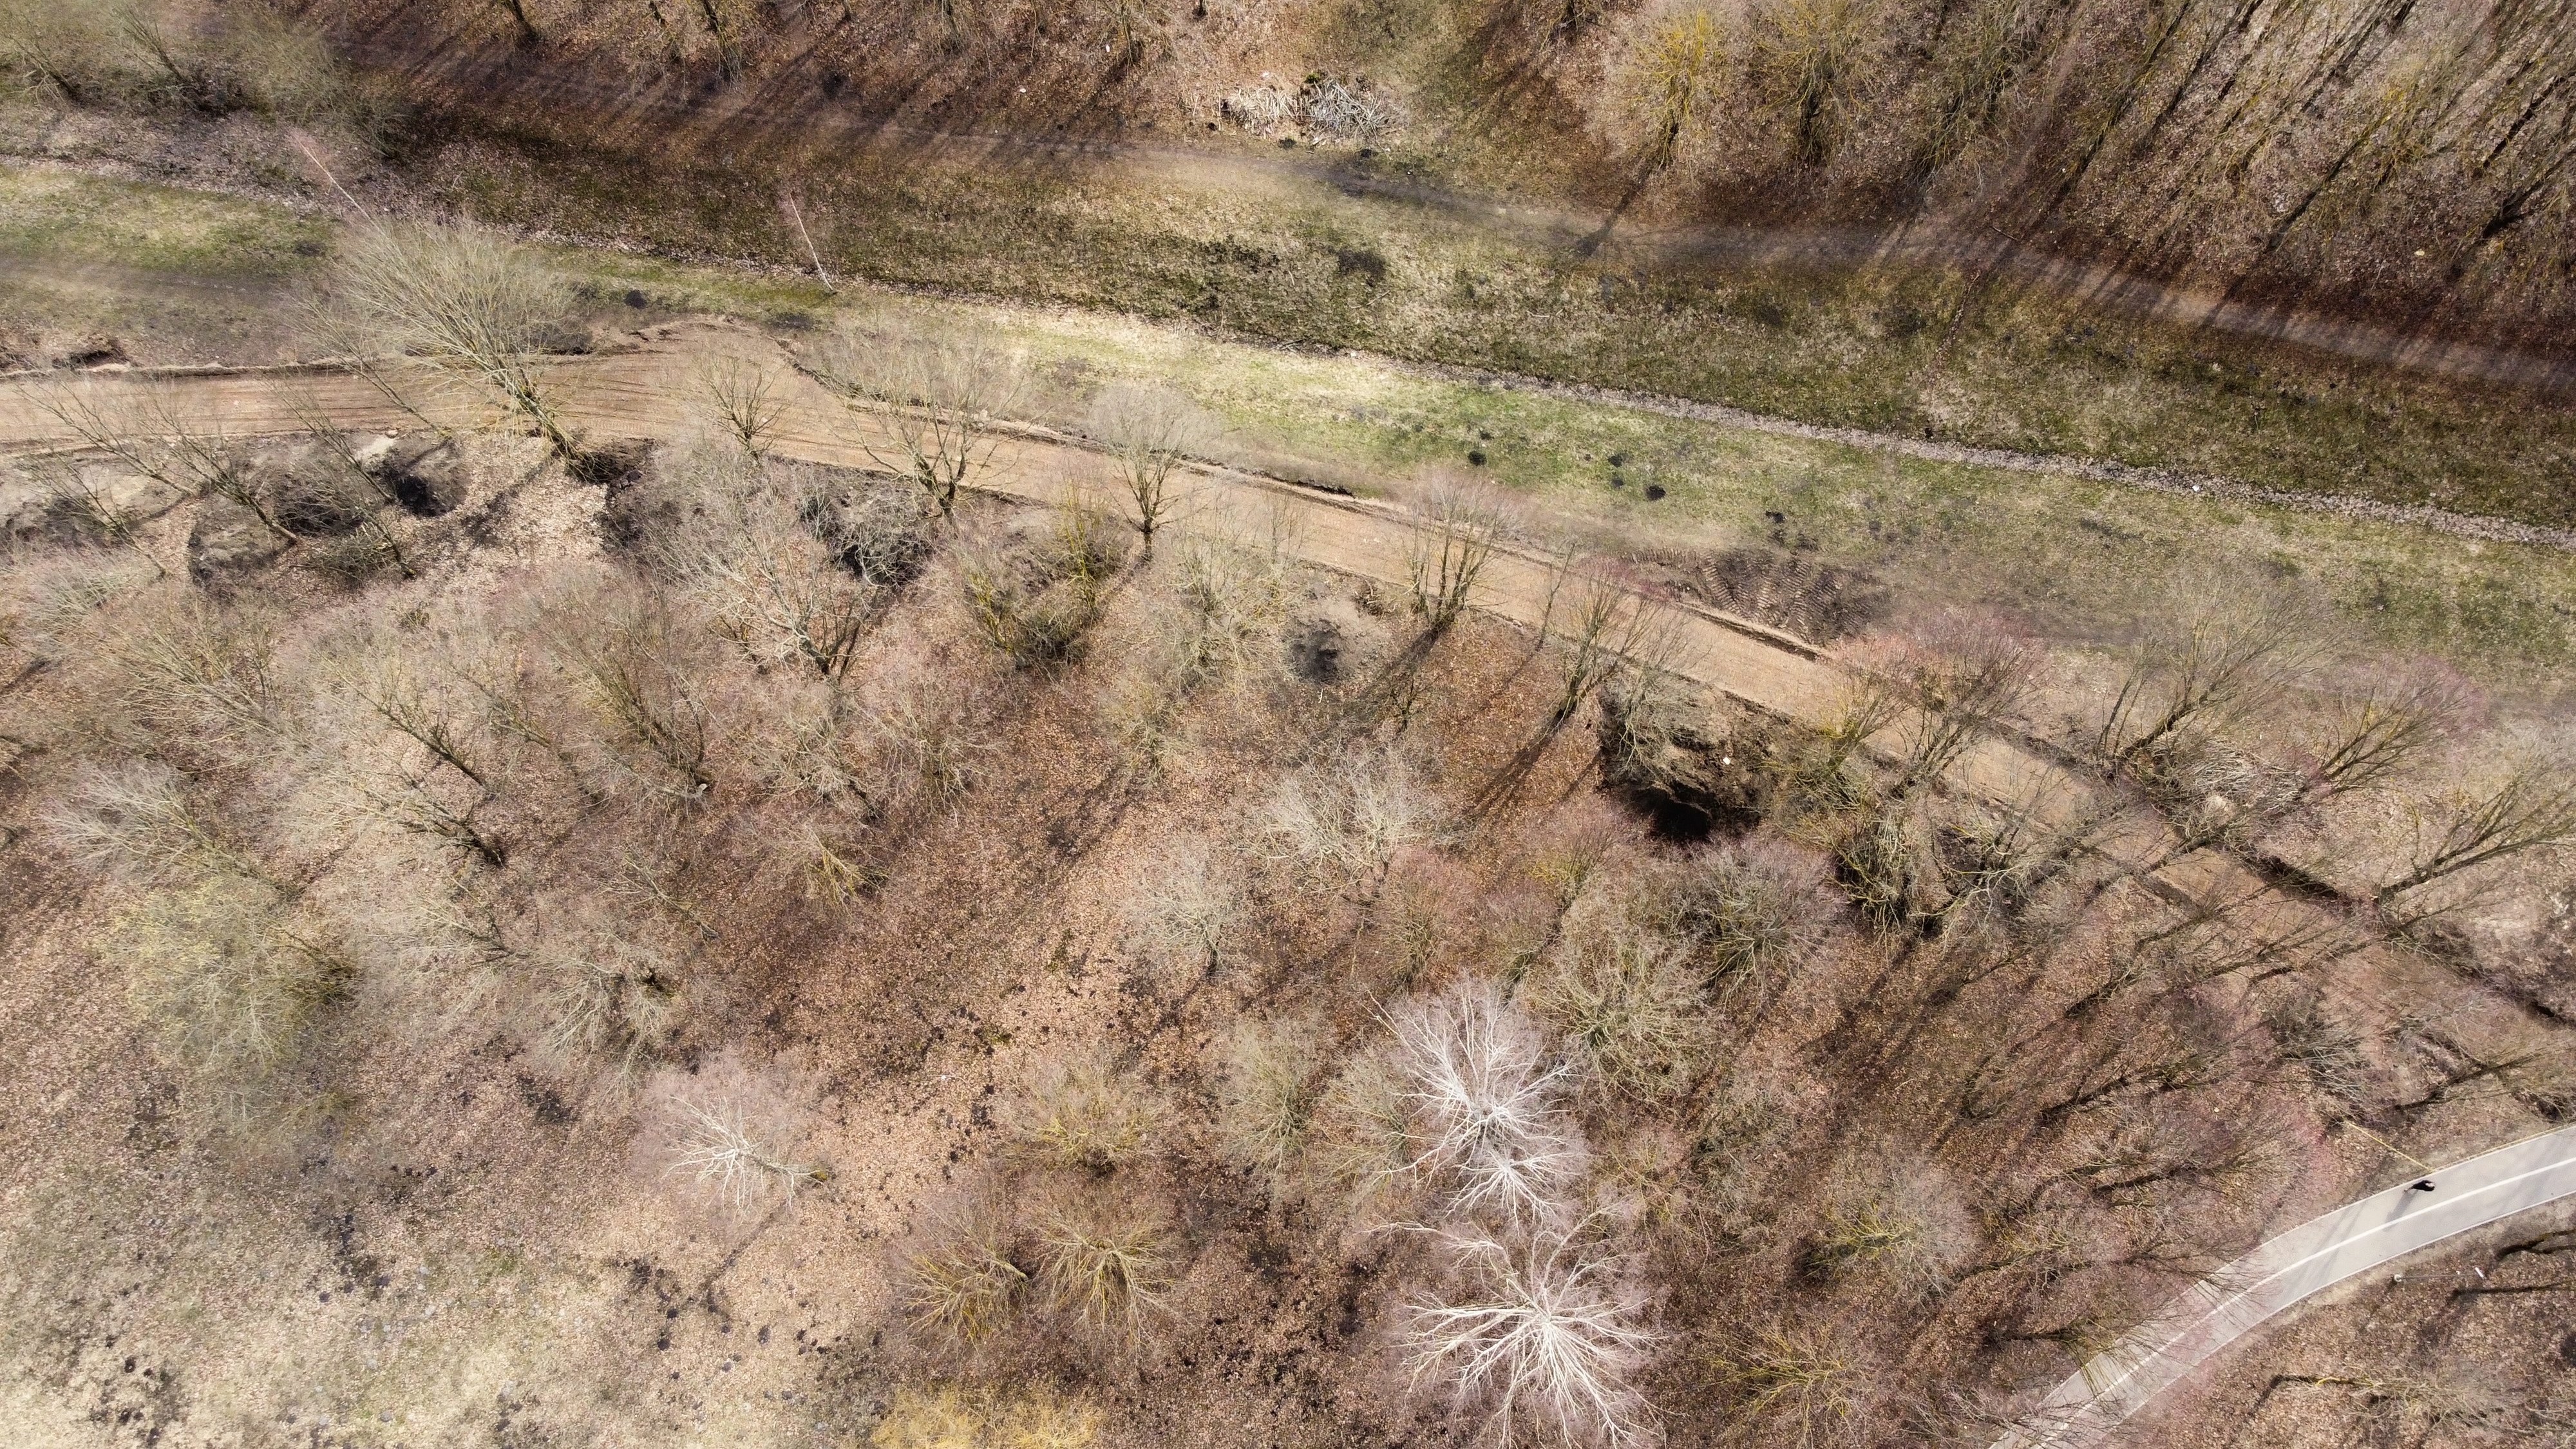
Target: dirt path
(145, 284)
(641, 393)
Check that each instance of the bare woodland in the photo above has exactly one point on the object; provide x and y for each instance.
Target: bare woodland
(1366, 1017)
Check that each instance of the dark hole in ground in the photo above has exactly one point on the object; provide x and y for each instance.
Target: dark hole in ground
(1315, 652)
(609, 464)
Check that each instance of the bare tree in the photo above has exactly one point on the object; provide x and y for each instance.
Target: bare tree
(462, 301)
(937, 404)
(735, 1155)
(151, 430)
(1953, 687)
(1609, 626)
(356, 488)
(627, 656)
(743, 396)
(1487, 1104)
(1452, 537)
(2532, 808)
(1152, 433)
(1547, 1339)
(2223, 663)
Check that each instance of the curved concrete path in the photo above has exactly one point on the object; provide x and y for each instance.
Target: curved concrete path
(2300, 1263)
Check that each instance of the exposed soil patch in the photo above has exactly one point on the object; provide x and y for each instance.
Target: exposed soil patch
(1818, 602)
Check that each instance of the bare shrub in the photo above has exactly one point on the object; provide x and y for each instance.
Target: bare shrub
(926, 735)
(1803, 1383)
(1751, 913)
(1035, 605)
(68, 50)
(1343, 824)
(1107, 1264)
(204, 677)
(876, 532)
(769, 583)
(461, 301)
(1360, 1137)
(613, 993)
(141, 816)
(2326, 1054)
(1086, 1114)
(1892, 1216)
(1266, 1098)
(1222, 619)
(1889, 868)
(735, 1145)
(1675, 72)
(1808, 54)
(1487, 1107)
(1626, 1001)
(1545, 1339)
(1190, 902)
(937, 403)
(579, 977)
(964, 1285)
(50, 606)
(226, 984)
(1341, 110)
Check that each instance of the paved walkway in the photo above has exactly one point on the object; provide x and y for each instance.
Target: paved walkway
(2305, 1261)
